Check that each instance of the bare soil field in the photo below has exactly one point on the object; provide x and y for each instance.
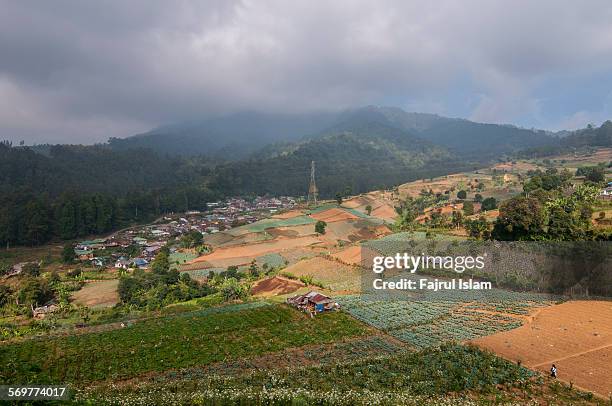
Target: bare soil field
(288, 214)
(246, 239)
(294, 231)
(255, 250)
(218, 239)
(334, 214)
(217, 263)
(298, 254)
(381, 207)
(335, 276)
(519, 166)
(599, 156)
(98, 294)
(437, 185)
(385, 212)
(349, 256)
(357, 201)
(575, 336)
(354, 230)
(276, 285)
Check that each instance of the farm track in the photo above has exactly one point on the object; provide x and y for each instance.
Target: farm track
(552, 361)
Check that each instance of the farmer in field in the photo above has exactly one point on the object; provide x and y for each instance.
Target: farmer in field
(553, 371)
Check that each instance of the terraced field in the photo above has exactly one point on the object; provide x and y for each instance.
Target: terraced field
(451, 375)
(431, 322)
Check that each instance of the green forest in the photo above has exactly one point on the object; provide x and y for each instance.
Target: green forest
(67, 191)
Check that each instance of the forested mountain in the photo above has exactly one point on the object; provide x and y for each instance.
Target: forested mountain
(236, 136)
(228, 138)
(461, 136)
(361, 156)
(66, 192)
(590, 136)
(587, 137)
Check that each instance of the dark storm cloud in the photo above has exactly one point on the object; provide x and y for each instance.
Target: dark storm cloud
(78, 71)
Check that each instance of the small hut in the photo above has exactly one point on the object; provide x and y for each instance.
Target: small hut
(313, 302)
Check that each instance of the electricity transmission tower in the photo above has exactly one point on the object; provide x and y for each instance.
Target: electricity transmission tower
(312, 189)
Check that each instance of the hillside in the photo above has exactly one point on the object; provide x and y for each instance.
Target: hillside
(230, 137)
(361, 156)
(236, 136)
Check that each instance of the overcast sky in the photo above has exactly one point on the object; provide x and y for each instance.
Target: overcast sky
(82, 71)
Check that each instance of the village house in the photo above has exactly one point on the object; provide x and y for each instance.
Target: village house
(140, 240)
(606, 193)
(84, 255)
(122, 263)
(99, 262)
(140, 262)
(313, 303)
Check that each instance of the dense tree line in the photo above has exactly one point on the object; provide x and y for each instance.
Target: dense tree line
(65, 192)
(550, 209)
(161, 286)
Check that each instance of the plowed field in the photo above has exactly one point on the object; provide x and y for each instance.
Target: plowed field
(575, 336)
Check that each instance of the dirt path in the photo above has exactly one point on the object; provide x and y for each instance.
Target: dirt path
(552, 361)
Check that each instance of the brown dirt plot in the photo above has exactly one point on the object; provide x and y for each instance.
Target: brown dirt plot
(576, 336)
(98, 294)
(276, 285)
(288, 214)
(350, 255)
(381, 207)
(255, 250)
(385, 212)
(334, 214)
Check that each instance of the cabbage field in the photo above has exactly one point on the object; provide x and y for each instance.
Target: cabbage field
(430, 377)
(425, 323)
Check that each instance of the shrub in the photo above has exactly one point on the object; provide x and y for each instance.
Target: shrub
(320, 227)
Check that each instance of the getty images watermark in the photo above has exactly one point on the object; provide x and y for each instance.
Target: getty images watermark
(403, 262)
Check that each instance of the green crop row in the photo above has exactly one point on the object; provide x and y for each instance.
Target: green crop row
(389, 379)
(186, 340)
(426, 323)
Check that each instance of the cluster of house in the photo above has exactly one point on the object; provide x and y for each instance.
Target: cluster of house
(232, 209)
(313, 303)
(151, 238)
(93, 251)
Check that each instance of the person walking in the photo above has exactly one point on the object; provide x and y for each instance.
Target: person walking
(553, 371)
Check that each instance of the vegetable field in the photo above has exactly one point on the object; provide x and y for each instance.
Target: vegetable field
(185, 340)
(430, 377)
(427, 323)
(262, 225)
(351, 349)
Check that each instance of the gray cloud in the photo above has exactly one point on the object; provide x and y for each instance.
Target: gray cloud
(75, 71)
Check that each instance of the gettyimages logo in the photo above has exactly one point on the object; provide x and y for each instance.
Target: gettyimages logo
(412, 263)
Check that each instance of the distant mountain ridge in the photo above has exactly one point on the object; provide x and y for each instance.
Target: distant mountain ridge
(229, 137)
(377, 157)
(240, 135)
